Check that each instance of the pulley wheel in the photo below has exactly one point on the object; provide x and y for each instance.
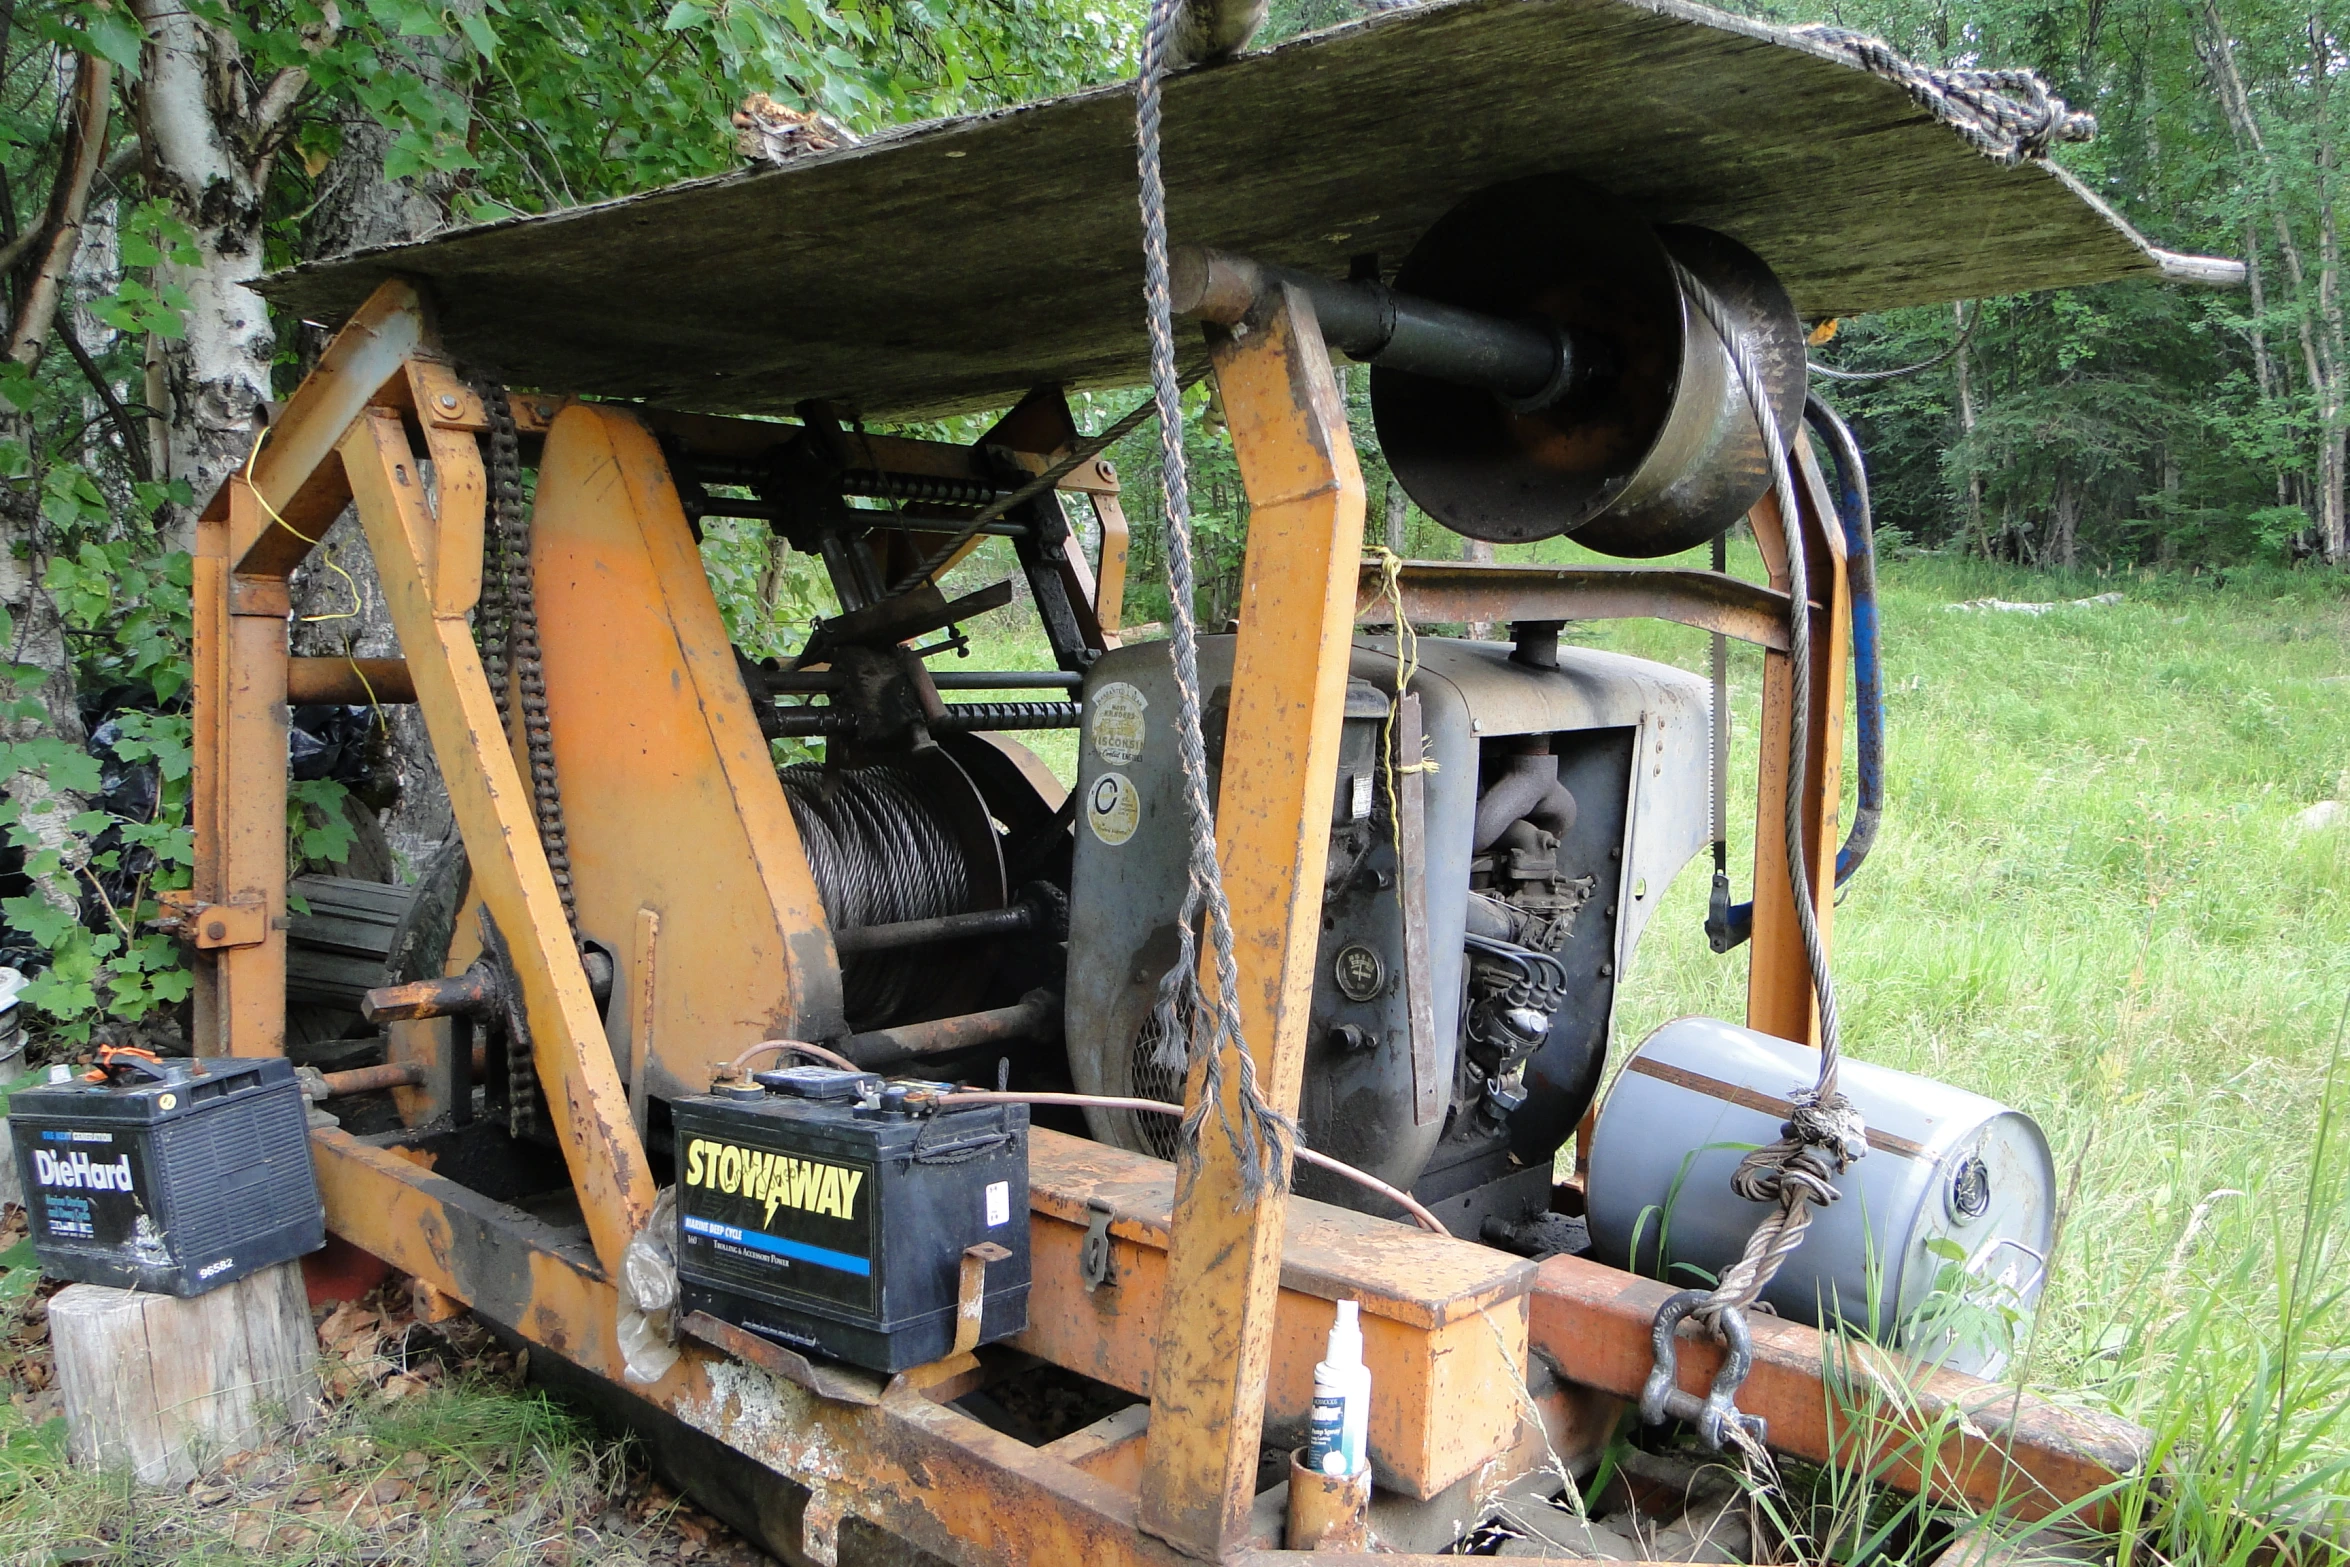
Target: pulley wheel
(1639, 459)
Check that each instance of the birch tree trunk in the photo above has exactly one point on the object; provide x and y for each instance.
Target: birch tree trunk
(2320, 353)
(338, 599)
(2333, 467)
(211, 133)
(36, 639)
(1966, 429)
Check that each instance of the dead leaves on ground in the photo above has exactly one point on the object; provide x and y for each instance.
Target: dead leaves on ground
(333, 1492)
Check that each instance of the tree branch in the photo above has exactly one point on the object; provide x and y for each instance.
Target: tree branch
(69, 200)
(134, 440)
(277, 101)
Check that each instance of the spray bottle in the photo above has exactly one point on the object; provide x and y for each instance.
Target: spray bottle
(1338, 1426)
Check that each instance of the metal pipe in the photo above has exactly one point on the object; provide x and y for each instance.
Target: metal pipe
(1530, 365)
(391, 1074)
(700, 506)
(1018, 919)
(800, 722)
(474, 992)
(815, 682)
(1032, 1017)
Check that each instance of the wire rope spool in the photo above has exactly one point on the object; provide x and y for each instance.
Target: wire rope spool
(1650, 453)
(906, 839)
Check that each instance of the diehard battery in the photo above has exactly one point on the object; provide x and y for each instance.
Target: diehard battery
(173, 1177)
(820, 1212)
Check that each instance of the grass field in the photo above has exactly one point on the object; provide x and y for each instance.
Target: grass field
(2090, 899)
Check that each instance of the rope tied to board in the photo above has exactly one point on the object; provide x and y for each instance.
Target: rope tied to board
(1824, 1133)
(1261, 1137)
(2007, 116)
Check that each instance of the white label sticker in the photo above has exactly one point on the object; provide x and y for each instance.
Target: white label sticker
(1113, 808)
(1113, 716)
(999, 1203)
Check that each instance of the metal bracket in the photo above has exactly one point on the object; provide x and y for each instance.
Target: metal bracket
(1716, 1415)
(1093, 1257)
(212, 926)
(971, 1295)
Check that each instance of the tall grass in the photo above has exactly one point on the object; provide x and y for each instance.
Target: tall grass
(2091, 900)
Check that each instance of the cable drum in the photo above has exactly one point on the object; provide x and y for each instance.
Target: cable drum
(880, 852)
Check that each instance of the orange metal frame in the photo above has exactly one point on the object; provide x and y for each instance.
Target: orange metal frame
(685, 856)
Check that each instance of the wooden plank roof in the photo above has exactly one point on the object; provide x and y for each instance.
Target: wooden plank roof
(951, 265)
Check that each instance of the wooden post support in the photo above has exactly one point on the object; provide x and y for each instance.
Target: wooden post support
(161, 1386)
(1779, 996)
(1305, 493)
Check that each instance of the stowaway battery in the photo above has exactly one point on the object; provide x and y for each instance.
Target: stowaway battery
(818, 1211)
(173, 1177)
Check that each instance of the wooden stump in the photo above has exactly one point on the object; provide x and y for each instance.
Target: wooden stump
(163, 1387)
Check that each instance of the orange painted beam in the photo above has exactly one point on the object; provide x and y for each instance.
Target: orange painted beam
(1779, 995)
(1830, 1400)
(585, 1098)
(1305, 494)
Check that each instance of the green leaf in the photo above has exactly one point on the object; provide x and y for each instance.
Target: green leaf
(114, 36)
(479, 33)
(683, 15)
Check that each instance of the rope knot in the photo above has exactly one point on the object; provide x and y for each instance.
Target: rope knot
(1831, 1122)
(2007, 116)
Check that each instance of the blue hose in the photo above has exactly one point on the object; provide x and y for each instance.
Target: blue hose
(1731, 927)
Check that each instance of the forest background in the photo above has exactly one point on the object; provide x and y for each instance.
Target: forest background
(157, 156)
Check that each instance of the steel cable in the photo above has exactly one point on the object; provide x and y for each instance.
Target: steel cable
(1824, 1133)
(879, 855)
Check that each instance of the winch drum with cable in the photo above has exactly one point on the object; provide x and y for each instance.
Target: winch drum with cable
(1651, 449)
(908, 839)
(1957, 1193)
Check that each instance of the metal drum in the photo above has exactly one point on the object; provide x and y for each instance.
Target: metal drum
(1941, 1233)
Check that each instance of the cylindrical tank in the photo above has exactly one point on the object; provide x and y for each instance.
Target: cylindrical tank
(1951, 1181)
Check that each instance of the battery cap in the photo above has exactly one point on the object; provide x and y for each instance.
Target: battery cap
(824, 1083)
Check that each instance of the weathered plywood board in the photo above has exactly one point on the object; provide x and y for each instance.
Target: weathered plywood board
(952, 265)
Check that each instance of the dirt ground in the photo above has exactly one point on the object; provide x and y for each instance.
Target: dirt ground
(428, 1448)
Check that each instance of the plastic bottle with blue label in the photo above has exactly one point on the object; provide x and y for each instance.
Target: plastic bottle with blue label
(1338, 1422)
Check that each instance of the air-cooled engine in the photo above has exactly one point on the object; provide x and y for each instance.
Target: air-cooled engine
(1472, 940)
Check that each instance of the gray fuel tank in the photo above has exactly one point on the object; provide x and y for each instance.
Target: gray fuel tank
(1945, 1168)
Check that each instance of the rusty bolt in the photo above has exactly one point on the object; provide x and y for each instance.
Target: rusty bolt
(448, 402)
(216, 931)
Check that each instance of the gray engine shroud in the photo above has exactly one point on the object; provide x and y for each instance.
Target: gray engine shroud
(1631, 737)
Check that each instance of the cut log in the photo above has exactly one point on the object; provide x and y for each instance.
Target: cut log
(163, 1387)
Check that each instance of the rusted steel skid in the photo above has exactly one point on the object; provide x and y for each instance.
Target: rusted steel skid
(883, 1450)
(1999, 1449)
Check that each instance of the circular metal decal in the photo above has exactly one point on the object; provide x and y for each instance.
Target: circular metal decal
(1113, 717)
(168, 1102)
(1359, 972)
(1113, 808)
(1970, 1188)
